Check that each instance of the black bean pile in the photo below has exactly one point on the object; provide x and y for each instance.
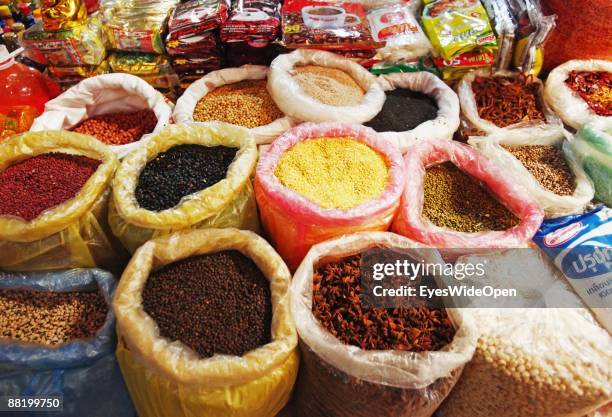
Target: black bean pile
(179, 172)
(216, 303)
(404, 110)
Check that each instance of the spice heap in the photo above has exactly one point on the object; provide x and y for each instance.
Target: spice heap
(36, 184)
(504, 101)
(119, 128)
(548, 165)
(246, 103)
(337, 305)
(328, 85)
(404, 110)
(50, 318)
(455, 200)
(216, 303)
(180, 171)
(333, 172)
(594, 87)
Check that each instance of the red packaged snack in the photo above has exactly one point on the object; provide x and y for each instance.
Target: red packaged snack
(195, 17)
(253, 21)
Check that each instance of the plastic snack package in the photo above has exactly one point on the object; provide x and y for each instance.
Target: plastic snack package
(62, 14)
(422, 64)
(505, 28)
(195, 17)
(77, 74)
(83, 372)
(166, 378)
(254, 21)
(152, 68)
(462, 64)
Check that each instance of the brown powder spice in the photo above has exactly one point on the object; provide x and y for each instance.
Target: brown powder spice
(330, 86)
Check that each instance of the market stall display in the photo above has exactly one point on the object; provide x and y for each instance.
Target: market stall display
(163, 373)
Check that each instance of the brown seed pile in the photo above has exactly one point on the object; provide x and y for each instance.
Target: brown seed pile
(245, 103)
(119, 128)
(548, 165)
(50, 318)
(328, 85)
(455, 200)
(217, 303)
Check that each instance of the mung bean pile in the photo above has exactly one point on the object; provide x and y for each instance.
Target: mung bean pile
(217, 303)
(455, 200)
(50, 318)
(404, 110)
(328, 85)
(119, 128)
(548, 165)
(245, 103)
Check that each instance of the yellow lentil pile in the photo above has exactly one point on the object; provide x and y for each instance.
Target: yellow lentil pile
(455, 200)
(334, 172)
(328, 85)
(245, 103)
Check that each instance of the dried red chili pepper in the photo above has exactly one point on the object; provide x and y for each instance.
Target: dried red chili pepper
(595, 88)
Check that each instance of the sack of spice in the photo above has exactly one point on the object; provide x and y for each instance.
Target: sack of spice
(543, 162)
(120, 110)
(186, 177)
(234, 95)
(503, 100)
(233, 354)
(318, 86)
(444, 204)
(348, 370)
(418, 106)
(580, 91)
(55, 219)
(317, 181)
(58, 340)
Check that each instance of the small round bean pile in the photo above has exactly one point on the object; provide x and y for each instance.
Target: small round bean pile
(455, 200)
(36, 184)
(119, 128)
(50, 318)
(245, 103)
(180, 171)
(217, 303)
(548, 165)
(328, 85)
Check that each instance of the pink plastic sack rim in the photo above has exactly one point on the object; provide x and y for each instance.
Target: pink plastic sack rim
(301, 207)
(433, 152)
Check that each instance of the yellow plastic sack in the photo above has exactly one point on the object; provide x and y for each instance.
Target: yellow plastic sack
(228, 203)
(75, 233)
(168, 379)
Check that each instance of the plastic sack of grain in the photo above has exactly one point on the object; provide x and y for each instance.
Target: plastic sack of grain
(73, 234)
(411, 223)
(554, 204)
(471, 111)
(447, 120)
(570, 106)
(167, 378)
(228, 203)
(340, 380)
(83, 372)
(186, 104)
(104, 94)
(293, 222)
(295, 102)
(593, 147)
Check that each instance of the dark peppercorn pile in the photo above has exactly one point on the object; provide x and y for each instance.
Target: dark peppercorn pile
(216, 303)
(181, 171)
(404, 110)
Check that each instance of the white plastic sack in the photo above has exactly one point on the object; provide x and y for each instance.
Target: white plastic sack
(185, 105)
(571, 107)
(292, 100)
(443, 126)
(554, 205)
(469, 108)
(103, 94)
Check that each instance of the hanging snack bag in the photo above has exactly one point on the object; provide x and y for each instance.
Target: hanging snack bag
(55, 219)
(505, 28)
(253, 21)
(237, 96)
(185, 177)
(543, 162)
(460, 65)
(205, 326)
(444, 204)
(62, 14)
(318, 86)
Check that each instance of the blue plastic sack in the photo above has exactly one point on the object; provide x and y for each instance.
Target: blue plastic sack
(84, 372)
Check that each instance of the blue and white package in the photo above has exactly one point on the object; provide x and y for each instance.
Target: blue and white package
(581, 247)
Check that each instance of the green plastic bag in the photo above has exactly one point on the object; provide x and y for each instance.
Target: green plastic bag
(593, 147)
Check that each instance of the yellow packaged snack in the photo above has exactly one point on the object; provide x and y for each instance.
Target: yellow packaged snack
(63, 14)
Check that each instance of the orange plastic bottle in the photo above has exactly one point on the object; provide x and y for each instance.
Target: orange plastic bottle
(22, 85)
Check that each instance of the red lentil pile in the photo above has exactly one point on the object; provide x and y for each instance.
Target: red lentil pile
(36, 184)
(594, 87)
(337, 305)
(119, 128)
